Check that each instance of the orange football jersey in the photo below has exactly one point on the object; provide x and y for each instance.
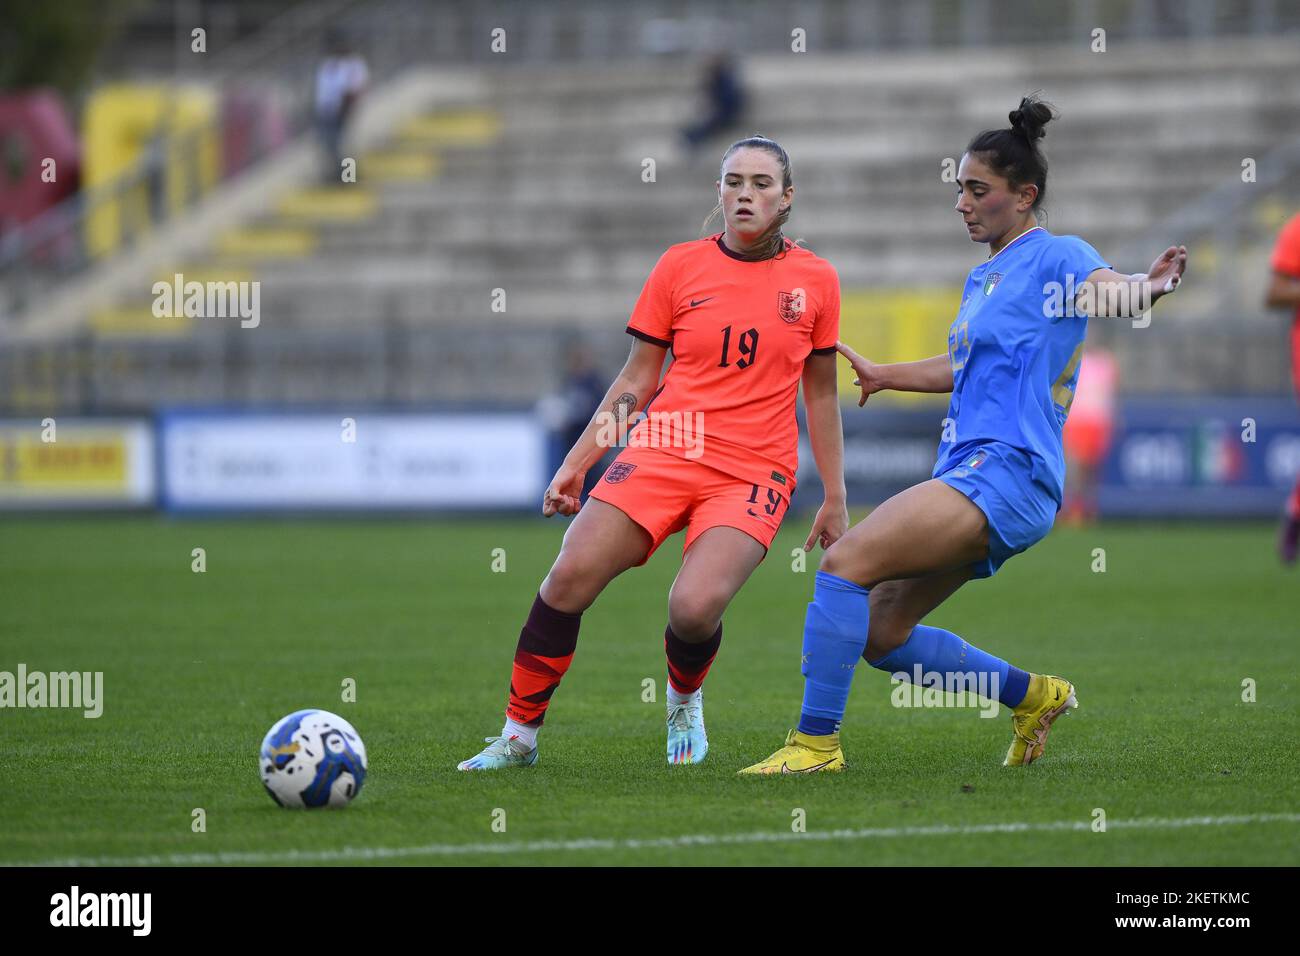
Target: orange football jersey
(739, 333)
(1286, 252)
(1286, 260)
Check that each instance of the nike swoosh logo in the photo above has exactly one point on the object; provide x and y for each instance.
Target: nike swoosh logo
(695, 302)
(785, 767)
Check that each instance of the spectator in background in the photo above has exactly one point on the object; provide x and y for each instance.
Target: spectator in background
(725, 103)
(567, 413)
(341, 78)
(1284, 293)
(1087, 434)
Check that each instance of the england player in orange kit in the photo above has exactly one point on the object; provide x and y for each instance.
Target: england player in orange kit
(1284, 293)
(748, 315)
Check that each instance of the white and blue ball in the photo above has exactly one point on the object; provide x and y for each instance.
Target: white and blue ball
(313, 758)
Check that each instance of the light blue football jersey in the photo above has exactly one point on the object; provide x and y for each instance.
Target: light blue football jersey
(1015, 349)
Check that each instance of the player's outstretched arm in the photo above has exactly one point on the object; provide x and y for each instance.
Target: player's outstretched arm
(928, 375)
(1111, 294)
(626, 396)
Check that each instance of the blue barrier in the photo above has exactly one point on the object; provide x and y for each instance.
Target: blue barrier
(1204, 457)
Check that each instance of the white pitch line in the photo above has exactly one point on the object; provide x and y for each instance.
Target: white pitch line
(361, 854)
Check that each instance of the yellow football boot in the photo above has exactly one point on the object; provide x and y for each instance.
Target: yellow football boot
(1047, 698)
(803, 753)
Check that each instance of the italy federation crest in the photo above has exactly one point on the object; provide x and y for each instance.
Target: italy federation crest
(991, 282)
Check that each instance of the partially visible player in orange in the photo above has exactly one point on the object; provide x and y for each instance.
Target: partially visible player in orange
(748, 315)
(1087, 432)
(1284, 293)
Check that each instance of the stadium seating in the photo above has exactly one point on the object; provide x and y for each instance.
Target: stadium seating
(536, 188)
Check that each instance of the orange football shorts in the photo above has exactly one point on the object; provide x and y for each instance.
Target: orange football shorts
(665, 493)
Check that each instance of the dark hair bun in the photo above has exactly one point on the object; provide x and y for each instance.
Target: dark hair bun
(1032, 115)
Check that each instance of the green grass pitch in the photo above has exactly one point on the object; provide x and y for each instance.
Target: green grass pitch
(198, 666)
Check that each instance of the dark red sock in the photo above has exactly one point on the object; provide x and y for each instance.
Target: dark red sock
(689, 663)
(1293, 502)
(545, 650)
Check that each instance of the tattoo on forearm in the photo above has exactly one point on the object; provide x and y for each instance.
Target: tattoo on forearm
(623, 406)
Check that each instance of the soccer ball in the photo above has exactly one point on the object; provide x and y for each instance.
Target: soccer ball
(313, 758)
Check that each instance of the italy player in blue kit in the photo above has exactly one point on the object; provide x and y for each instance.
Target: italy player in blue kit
(1012, 364)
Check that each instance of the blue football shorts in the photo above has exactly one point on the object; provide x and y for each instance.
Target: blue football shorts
(1020, 510)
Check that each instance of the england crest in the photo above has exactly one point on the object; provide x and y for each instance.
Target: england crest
(618, 472)
(789, 305)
